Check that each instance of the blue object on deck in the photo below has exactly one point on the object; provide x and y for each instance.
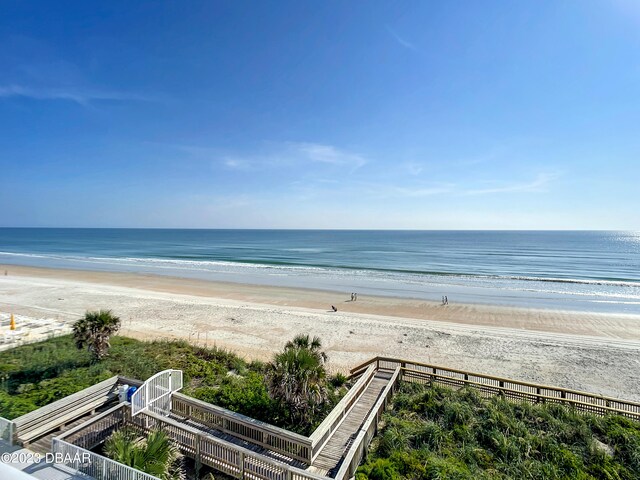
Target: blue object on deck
(130, 393)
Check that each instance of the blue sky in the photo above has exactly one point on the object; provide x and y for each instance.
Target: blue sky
(419, 115)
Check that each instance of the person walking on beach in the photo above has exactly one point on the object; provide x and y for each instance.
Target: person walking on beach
(446, 300)
(352, 296)
(334, 308)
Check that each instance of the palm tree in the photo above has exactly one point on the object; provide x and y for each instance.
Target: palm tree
(94, 330)
(156, 454)
(297, 378)
(314, 345)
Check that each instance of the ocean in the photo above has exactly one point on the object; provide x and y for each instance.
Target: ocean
(568, 270)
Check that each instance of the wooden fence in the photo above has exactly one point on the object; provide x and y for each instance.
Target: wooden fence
(234, 460)
(259, 433)
(513, 390)
(96, 430)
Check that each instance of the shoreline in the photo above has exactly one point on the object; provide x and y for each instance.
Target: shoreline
(622, 326)
(593, 352)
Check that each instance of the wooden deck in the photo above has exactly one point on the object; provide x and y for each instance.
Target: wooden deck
(43, 445)
(246, 448)
(330, 457)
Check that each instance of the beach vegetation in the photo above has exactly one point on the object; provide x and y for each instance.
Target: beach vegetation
(297, 379)
(247, 394)
(94, 330)
(37, 374)
(437, 432)
(338, 380)
(153, 453)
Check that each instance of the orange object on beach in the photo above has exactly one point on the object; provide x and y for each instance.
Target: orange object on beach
(13, 323)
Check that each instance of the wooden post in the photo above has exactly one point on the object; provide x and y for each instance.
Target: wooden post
(241, 462)
(198, 457)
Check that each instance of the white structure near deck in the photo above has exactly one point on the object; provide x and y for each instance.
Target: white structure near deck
(155, 393)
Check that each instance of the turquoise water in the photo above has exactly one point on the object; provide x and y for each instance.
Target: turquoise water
(587, 271)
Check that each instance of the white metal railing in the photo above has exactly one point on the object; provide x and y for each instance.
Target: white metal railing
(94, 465)
(7, 430)
(155, 393)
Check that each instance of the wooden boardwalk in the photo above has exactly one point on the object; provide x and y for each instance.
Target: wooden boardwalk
(330, 457)
(246, 448)
(238, 441)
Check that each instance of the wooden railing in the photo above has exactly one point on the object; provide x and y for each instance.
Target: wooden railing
(259, 433)
(286, 447)
(369, 428)
(224, 456)
(514, 390)
(321, 435)
(97, 429)
(33, 425)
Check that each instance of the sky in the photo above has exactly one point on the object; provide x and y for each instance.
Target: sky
(321, 114)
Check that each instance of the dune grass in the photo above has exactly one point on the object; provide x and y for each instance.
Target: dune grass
(35, 375)
(434, 432)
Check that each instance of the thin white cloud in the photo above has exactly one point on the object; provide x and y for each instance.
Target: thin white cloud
(278, 156)
(321, 153)
(539, 184)
(368, 189)
(405, 43)
(421, 191)
(80, 96)
(236, 163)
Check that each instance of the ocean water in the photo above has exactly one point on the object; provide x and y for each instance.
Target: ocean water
(583, 271)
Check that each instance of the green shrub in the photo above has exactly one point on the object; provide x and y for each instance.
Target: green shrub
(12, 407)
(338, 380)
(247, 395)
(381, 469)
(438, 432)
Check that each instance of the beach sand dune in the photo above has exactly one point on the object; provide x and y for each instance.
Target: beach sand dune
(585, 351)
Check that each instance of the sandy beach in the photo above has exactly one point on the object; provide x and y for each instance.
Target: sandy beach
(586, 351)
